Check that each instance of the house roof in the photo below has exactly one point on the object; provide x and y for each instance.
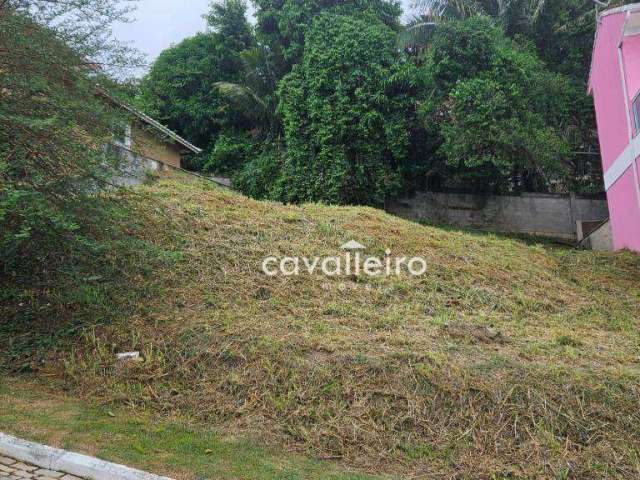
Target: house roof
(631, 27)
(625, 8)
(150, 121)
(632, 23)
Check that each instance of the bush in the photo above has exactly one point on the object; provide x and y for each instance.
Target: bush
(53, 127)
(496, 141)
(230, 153)
(259, 176)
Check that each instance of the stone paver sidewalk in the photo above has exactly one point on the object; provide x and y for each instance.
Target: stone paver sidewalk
(11, 469)
(24, 460)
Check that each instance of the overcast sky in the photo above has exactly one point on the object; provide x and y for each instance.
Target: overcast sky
(159, 23)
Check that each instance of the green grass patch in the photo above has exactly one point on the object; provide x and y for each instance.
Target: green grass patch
(164, 447)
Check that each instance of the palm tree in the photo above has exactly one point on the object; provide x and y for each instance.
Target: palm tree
(255, 96)
(498, 9)
(514, 15)
(511, 13)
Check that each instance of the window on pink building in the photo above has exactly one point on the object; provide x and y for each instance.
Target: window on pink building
(635, 108)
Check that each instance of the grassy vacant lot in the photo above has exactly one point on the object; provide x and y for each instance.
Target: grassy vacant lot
(505, 360)
(169, 446)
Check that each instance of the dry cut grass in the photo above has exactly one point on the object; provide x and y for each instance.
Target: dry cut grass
(505, 360)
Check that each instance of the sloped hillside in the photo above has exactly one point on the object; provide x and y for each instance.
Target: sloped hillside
(504, 360)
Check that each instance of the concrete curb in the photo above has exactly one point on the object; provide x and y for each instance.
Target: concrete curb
(76, 464)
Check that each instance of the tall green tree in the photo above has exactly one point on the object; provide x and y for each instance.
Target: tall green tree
(180, 88)
(562, 31)
(280, 33)
(344, 112)
(53, 125)
(282, 25)
(228, 19)
(501, 115)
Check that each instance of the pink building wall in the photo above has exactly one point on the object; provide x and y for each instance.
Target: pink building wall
(614, 83)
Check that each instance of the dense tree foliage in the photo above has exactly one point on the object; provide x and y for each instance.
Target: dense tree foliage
(230, 152)
(282, 25)
(344, 112)
(562, 32)
(180, 88)
(497, 108)
(493, 99)
(53, 126)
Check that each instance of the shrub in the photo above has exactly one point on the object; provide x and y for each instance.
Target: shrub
(53, 127)
(495, 140)
(230, 153)
(258, 178)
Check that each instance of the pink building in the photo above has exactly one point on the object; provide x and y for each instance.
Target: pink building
(615, 86)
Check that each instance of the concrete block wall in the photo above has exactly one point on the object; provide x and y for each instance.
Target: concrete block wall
(134, 168)
(548, 215)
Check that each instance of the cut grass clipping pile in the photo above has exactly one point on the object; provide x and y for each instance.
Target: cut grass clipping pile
(504, 360)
